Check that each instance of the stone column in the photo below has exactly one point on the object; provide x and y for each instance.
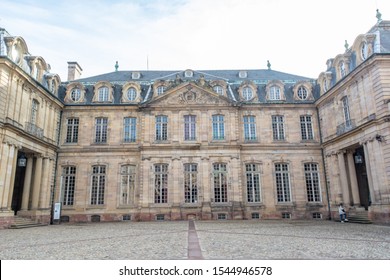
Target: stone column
(27, 183)
(3, 170)
(12, 185)
(353, 179)
(367, 161)
(10, 174)
(343, 178)
(37, 183)
(45, 186)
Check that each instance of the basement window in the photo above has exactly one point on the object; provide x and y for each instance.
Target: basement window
(286, 215)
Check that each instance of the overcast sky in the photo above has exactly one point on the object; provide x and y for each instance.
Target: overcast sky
(296, 36)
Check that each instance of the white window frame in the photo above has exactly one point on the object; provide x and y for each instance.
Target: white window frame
(103, 93)
(101, 128)
(247, 93)
(72, 130)
(275, 93)
(191, 190)
(278, 130)
(220, 182)
(282, 181)
(189, 127)
(161, 183)
(129, 129)
(68, 185)
(253, 186)
(306, 127)
(161, 128)
(312, 180)
(250, 128)
(218, 126)
(98, 184)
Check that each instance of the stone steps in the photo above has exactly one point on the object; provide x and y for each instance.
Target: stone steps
(20, 222)
(360, 217)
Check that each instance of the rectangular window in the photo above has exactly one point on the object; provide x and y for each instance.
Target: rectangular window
(69, 183)
(189, 127)
(129, 129)
(161, 128)
(278, 127)
(101, 130)
(347, 117)
(161, 183)
(218, 127)
(72, 130)
(282, 175)
(220, 182)
(312, 182)
(98, 184)
(250, 128)
(127, 184)
(306, 128)
(190, 183)
(253, 182)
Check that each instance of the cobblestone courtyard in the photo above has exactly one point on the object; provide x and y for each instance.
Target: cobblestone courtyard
(273, 240)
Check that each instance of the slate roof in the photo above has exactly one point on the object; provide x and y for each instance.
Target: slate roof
(259, 77)
(262, 76)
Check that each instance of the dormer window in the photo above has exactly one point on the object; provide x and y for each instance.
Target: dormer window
(160, 90)
(103, 94)
(343, 71)
(247, 93)
(242, 74)
(75, 95)
(302, 93)
(274, 93)
(135, 75)
(131, 94)
(364, 51)
(218, 89)
(188, 73)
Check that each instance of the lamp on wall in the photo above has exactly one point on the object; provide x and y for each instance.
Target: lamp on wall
(358, 158)
(22, 161)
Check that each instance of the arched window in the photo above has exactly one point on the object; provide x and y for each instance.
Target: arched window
(75, 94)
(274, 93)
(218, 89)
(247, 93)
(103, 94)
(131, 94)
(302, 93)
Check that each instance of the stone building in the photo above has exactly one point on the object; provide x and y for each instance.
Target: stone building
(211, 144)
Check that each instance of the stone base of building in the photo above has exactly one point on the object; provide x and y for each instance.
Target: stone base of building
(379, 214)
(198, 213)
(6, 219)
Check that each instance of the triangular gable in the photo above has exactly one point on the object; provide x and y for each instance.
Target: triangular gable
(189, 93)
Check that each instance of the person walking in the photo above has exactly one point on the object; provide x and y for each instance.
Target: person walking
(342, 213)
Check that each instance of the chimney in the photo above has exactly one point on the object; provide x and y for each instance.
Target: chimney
(74, 70)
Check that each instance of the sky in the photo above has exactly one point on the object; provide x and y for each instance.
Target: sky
(297, 37)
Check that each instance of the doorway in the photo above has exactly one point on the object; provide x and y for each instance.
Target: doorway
(17, 195)
(362, 178)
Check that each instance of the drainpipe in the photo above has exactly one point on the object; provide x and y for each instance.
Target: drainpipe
(323, 162)
(55, 171)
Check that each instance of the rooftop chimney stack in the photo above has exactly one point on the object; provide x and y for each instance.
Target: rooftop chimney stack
(74, 70)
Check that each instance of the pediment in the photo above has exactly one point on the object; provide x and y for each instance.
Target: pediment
(190, 94)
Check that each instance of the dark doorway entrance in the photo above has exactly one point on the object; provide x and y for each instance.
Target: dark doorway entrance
(361, 176)
(18, 184)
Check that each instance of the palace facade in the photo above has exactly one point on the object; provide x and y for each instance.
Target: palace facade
(212, 144)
